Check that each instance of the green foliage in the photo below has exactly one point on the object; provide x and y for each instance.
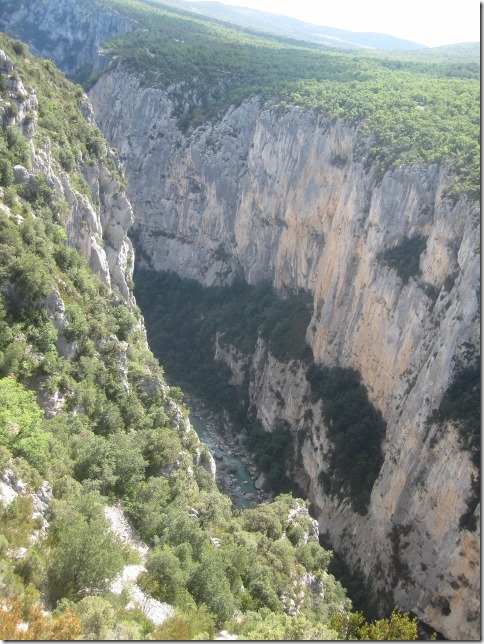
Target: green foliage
(87, 555)
(31, 277)
(263, 519)
(6, 172)
(125, 321)
(190, 622)
(166, 569)
(182, 319)
(146, 502)
(72, 140)
(21, 426)
(118, 430)
(270, 626)
(272, 451)
(17, 522)
(399, 626)
(209, 586)
(355, 429)
(96, 615)
(20, 48)
(313, 557)
(17, 145)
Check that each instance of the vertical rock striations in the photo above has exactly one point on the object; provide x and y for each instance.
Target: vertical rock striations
(70, 33)
(285, 198)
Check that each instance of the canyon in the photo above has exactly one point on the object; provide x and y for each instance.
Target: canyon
(287, 196)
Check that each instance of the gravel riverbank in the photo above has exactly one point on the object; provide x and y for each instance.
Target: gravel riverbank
(229, 452)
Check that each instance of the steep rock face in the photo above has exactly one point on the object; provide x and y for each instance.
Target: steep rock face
(96, 227)
(284, 197)
(68, 32)
(409, 543)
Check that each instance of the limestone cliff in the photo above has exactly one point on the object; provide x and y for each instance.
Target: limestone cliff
(68, 32)
(97, 226)
(285, 197)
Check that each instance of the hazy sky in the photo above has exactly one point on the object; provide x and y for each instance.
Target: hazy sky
(428, 22)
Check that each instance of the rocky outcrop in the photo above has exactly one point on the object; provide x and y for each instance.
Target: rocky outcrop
(12, 487)
(96, 225)
(70, 33)
(423, 561)
(286, 198)
(125, 582)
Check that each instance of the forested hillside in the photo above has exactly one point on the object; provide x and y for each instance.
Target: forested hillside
(89, 427)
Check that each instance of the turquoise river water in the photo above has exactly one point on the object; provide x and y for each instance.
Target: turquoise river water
(233, 476)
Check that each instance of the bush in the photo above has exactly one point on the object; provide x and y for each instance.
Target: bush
(6, 172)
(210, 586)
(262, 519)
(31, 277)
(18, 145)
(167, 573)
(96, 616)
(20, 48)
(87, 555)
(21, 423)
(125, 321)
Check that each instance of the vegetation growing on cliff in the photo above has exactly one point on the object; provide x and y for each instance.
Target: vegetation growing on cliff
(410, 108)
(183, 319)
(405, 257)
(461, 406)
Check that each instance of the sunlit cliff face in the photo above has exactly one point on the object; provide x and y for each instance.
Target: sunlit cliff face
(285, 198)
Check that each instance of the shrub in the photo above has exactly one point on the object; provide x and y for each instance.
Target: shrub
(262, 519)
(6, 172)
(31, 277)
(167, 573)
(18, 144)
(87, 555)
(21, 423)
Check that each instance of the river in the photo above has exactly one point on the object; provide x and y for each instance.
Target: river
(233, 476)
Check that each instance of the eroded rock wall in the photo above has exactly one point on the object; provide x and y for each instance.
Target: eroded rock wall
(285, 197)
(68, 32)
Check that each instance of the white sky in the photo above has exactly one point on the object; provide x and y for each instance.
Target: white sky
(427, 22)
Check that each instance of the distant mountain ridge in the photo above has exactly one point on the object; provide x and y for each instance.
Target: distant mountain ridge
(294, 28)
